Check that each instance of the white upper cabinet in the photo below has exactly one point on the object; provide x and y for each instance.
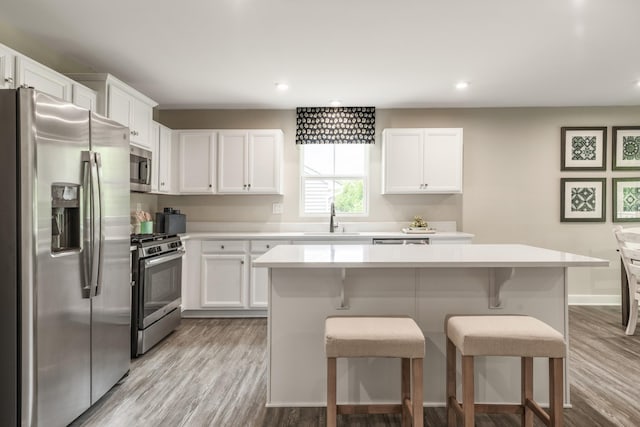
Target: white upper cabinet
(125, 108)
(123, 104)
(84, 97)
(17, 70)
(163, 158)
(31, 73)
(250, 161)
(197, 159)
(422, 161)
(233, 146)
(7, 61)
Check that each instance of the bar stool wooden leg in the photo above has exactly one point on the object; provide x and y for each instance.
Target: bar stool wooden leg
(416, 397)
(451, 382)
(468, 399)
(405, 391)
(331, 392)
(555, 392)
(526, 374)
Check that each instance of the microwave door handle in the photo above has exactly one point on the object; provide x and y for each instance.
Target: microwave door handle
(87, 224)
(147, 164)
(100, 220)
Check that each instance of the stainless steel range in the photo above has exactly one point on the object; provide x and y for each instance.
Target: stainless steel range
(156, 297)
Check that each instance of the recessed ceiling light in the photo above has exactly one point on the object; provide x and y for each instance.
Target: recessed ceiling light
(336, 103)
(282, 86)
(462, 85)
(638, 83)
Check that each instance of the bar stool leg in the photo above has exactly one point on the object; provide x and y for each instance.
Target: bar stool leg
(405, 390)
(526, 374)
(416, 398)
(451, 382)
(555, 392)
(468, 399)
(331, 392)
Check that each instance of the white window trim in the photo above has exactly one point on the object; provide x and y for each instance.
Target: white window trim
(365, 185)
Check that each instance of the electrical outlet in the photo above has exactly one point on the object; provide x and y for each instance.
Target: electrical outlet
(277, 208)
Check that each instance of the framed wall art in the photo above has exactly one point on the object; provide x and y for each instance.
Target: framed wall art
(583, 148)
(626, 148)
(626, 199)
(582, 199)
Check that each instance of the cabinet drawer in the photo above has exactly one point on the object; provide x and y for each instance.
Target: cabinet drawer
(261, 246)
(223, 246)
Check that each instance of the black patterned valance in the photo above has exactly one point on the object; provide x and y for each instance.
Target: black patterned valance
(335, 125)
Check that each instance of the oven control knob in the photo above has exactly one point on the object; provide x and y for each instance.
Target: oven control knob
(154, 250)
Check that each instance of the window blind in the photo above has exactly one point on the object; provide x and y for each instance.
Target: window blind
(335, 125)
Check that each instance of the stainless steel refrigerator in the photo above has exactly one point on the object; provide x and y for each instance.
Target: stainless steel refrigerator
(65, 294)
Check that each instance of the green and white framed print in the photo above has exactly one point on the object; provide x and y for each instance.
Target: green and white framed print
(583, 148)
(582, 199)
(626, 199)
(626, 148)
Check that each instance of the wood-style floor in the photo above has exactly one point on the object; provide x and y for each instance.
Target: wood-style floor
(212, 372)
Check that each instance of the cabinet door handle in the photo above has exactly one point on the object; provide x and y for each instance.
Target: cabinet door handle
(268, 246)
(221, 246)
(425, 185)
(210, 185)
(8, 79)
(248, 186)
(242, 262)
(244, 186)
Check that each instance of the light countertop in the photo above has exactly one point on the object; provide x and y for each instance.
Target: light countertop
(288, 235)
(420, 256)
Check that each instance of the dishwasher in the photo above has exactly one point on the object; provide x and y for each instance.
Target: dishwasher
(402, 241)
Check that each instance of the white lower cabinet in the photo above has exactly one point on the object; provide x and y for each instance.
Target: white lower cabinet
(224, 274)
(258, 286)
(223, 281)
(259, 281)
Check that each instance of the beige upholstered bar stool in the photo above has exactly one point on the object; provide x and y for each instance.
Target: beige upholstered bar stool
(400, 337)
(521, 336)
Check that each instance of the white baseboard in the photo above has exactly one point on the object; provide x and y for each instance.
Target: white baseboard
(594, 299)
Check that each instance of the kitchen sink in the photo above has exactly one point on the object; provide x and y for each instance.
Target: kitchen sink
(328, 233)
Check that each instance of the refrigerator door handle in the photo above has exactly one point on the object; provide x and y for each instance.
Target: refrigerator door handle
(100, 218)
(87, 220)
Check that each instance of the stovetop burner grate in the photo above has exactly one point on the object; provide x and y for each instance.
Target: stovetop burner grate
(141, 238)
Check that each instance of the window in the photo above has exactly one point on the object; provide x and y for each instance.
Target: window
(334, 173)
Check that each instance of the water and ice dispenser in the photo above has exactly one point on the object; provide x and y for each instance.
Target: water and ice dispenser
(65, 217)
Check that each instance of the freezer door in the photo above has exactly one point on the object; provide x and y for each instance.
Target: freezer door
(52, 174)
(111, 303)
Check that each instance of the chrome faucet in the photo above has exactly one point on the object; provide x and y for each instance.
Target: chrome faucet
(333, 222)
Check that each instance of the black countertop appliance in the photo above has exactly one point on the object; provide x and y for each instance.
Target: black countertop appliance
(171, 221)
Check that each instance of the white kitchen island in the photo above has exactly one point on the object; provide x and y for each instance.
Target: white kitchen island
(309, 283)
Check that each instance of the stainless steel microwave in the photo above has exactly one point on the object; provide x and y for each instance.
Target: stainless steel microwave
(140, 169)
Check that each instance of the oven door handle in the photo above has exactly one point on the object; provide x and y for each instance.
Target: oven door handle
(155, 261)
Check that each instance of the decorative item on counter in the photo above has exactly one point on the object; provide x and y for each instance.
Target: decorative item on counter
(418, 226)
(418, 223)
(142, 222)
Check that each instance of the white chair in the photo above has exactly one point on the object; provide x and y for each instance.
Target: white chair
(629, 245)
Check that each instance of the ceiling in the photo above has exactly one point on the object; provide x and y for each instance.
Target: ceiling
(382, 53)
